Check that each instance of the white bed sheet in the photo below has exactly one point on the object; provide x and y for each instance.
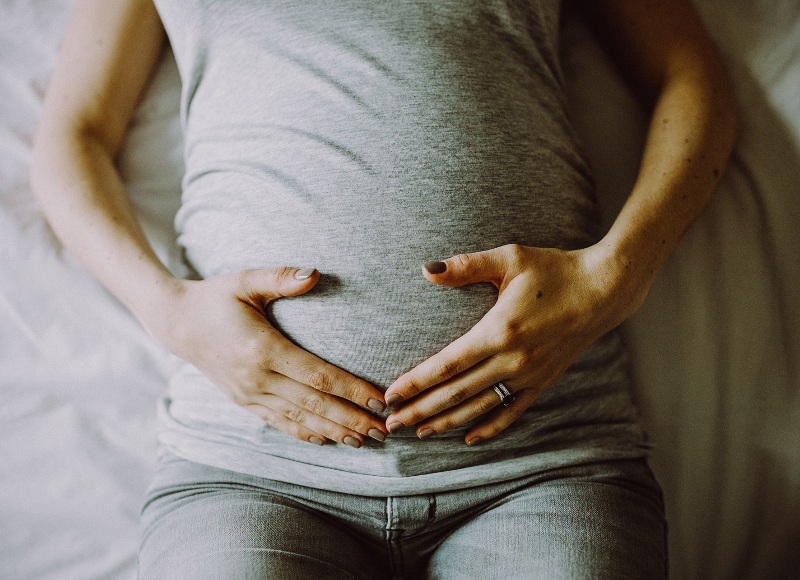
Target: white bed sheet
(716, 344)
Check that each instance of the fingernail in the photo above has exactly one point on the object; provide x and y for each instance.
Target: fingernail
(395, 427)
(435, 267)
(425, 433)
(376, 405)
(377, 434)
(316, 440)
(352, 442)
(392, 400)
(474, 441)
(305, 273)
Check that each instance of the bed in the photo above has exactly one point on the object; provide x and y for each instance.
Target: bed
(716, 346)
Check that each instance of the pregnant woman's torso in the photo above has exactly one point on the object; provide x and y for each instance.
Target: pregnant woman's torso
(364, 139)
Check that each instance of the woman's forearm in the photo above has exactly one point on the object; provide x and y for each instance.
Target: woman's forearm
(77, 185)
(691, 134)
(105, 61)
(690, 138)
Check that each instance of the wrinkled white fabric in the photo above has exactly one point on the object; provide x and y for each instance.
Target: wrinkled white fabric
(715, 345)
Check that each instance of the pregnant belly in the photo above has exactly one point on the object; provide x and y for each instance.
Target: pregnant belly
(372, 312)
(377, 329)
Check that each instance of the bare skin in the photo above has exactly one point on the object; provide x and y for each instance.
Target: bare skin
(552, 304)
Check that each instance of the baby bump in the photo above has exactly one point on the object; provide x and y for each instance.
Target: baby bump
(368, 233)
(380, 327)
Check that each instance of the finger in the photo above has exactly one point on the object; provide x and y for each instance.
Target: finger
(493, 266)
(300, 365)
(279, 409)
(263, 286)
(339, 411)
(458, 356)
(455, 416)
(289, 427)
(501, 417)
(450, 393)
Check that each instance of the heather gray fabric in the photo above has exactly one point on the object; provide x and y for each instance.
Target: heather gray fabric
(365, 138)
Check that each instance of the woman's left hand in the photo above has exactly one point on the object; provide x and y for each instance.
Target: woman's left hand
(552, 305)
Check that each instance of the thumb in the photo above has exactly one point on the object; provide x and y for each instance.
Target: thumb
(489, 266)
(274, 283)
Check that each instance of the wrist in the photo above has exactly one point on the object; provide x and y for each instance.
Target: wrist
(157, 304)
(622, 272)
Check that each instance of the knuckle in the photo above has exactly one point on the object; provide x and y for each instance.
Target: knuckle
(280, 353)
(486, 404)
(457, 396)
(312, 402)
(238, 397)
(507, 333)
(448, 368)
(516, 365)
(413, 418)
(445, 424)
(291, 428)
(250, 387)
(515, 254)
(275, 419)
(259, 282)
(335, 431)
(293, 413)
(260, 355)
(413, 415)
(319, 380)
(249, 375)
(282, 274)
(259, 412)
(349, 389)
(521, 361)
(358, 423)
(277, 277)
(411, 386)
(462, 260)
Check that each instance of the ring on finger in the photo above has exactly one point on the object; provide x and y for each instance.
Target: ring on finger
(506, 397)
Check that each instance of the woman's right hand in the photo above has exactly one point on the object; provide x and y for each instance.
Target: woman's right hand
(219, 325)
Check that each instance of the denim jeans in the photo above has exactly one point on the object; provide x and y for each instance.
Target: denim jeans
(599, 520)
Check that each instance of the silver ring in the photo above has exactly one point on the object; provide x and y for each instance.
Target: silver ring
(506, 398)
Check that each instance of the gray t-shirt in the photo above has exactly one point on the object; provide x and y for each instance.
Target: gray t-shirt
(364, 138)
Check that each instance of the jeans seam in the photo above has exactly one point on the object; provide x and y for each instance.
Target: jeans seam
(393, 535)
(431, 511)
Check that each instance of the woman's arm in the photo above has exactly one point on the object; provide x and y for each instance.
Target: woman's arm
(104, 63)
(553, 304)
(106, 59)
(665, 52)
